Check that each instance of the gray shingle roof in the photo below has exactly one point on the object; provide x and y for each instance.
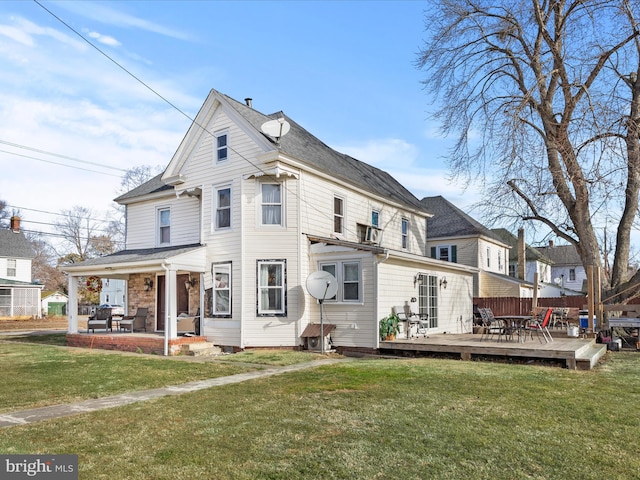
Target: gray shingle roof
(127, 256)
(302, 145)
(511, 240)
(15, 245)
(449, 221)
(562, 254)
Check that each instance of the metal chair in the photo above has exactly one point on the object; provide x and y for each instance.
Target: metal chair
(100, 319)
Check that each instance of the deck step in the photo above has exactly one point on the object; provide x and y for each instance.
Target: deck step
(587, 359)
(200, 349)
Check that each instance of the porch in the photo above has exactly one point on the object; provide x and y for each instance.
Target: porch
(575, 353)
(152, 343)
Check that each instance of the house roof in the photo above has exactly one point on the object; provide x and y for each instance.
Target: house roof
(14, 245)
(511, 240)
(449, 221)
(562, 255)
(298, 143)
(138, 255)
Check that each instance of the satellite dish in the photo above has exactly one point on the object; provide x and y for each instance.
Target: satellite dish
(322, 285)
(276, 128)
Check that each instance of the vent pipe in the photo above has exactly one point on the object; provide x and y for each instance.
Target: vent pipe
(248, 102)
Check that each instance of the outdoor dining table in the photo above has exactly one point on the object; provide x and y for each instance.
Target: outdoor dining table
(515, 324)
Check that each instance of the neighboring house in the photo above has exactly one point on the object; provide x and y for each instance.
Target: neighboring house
(534, 261)
(456, 237)
(19, 297)
(567, 269)
(54, 303)
(249, 206)
(114, 291)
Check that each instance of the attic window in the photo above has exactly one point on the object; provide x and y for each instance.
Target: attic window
(221, 147)
(11, 267)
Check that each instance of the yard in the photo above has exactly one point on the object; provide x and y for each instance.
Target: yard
(374, 418)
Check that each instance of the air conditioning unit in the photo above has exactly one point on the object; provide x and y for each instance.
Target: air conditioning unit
(314, 343)
(372, 235)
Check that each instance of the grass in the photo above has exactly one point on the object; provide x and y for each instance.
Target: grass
(366, 419)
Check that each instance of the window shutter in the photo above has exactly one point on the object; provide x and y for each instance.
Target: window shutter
(433, 252)
(454, 253)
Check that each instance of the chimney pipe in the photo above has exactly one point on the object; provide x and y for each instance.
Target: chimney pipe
(15, 224)
(248, 102)
(551, 243)
(522, 261)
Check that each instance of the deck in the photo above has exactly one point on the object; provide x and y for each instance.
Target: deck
(576, 353)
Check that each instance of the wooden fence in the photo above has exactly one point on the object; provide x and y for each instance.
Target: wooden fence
(523, 306)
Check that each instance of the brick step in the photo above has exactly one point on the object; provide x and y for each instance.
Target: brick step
(200, 349)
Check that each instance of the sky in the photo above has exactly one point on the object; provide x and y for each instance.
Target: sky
(76, 113)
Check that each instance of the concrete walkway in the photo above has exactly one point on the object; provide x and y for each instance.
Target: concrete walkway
(24, 417)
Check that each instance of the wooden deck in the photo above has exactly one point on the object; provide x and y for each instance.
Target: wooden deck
(577, 353)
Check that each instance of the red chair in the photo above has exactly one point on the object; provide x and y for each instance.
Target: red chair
(541, 327)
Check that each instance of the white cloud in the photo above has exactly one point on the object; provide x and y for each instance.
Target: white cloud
(104, 39)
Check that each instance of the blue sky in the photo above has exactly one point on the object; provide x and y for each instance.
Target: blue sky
(343, 70)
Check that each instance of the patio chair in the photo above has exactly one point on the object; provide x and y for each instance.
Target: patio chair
(100, 319)
(422, 321)
(491, 325)
(135, 322)
(541, 327)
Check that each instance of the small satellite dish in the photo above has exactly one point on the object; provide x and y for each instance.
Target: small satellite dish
(322, 285)
(276, 128)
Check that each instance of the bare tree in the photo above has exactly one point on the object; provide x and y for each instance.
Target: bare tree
(78, 228)
(543, 97)
(43, 265)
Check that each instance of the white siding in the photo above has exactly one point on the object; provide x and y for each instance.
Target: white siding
(23, 269)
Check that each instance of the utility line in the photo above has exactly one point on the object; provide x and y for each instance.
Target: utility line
(257, 167)
(61, 164)
(57, 214)
(17, 145)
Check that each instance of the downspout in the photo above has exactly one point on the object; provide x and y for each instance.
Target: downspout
(377, 294)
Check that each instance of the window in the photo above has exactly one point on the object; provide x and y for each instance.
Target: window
(512, 270)
(271, 287)
(348, 274)
(271, 204)
(375, 218)
(11, 267)
(5, 302)
(164, 226)
(338, 215)
(499, 261)
(106, 298)
(488, 258)
(221, 147)
(221, 274)
(572, 274)
(405, 233)
(447, 253)
(222, 208)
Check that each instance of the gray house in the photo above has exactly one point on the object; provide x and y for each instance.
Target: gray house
(19, 297)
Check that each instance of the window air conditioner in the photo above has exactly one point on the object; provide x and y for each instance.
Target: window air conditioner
(372, 235)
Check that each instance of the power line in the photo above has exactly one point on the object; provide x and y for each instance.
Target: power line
(61, 164)
(66, 157)
(57, 214)
(193, 121)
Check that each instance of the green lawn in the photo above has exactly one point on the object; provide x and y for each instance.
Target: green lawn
(365, 419)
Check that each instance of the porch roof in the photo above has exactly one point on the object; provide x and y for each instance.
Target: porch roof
(183, 257)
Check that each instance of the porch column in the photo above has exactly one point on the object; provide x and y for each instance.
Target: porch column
(72, 306)
(171, 307)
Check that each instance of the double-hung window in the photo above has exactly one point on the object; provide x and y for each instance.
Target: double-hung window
(11, 267)
(375, 218)
(348, 274)
(164, 226)
(446, 253)
(338, 215)
(221, 147)
(272, 284)
(405, 233)
(271, 203)
(221, 289)
(222, 208)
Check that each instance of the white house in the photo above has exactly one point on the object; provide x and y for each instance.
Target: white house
(567, 269)
(249, 206)
(19, 297)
